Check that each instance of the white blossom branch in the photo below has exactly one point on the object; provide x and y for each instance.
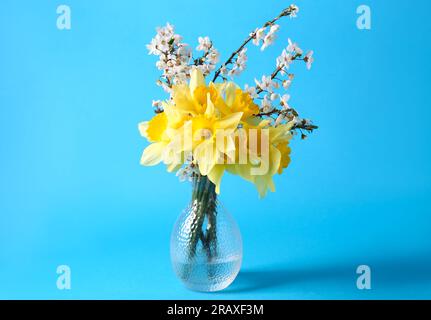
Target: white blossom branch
(290, 11)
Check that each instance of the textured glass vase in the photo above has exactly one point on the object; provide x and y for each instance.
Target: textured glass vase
(206, 245)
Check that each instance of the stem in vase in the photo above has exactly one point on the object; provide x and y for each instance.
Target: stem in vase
(204, 202)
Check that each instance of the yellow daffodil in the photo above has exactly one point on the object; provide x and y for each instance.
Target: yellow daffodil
(205, 122)
(208, 131)
(192, 99)
(268, 154)
(154, 130)
(161, 131)
(237, 101)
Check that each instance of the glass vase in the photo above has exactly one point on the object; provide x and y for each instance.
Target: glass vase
(206, 245)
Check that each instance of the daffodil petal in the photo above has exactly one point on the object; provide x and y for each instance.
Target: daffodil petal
(271, 185)
(243, 170)
(174, 167)
(225, 142)
(280, 133)
(183, 99)
(181, 139)
(274, 158)
(230, 91)
(215, 176)
(261, 186)
(196, 79)
(143, 126)
(229, 122)
(205, 157)
(209, 112)
(153, 154)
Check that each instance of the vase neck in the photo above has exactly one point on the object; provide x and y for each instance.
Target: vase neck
(203, 187)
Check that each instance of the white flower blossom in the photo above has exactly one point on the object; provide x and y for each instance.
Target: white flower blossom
(166, 32)
(269, 38)
(294, 11)
(156, 103)
(287, 83)
(174, 56)
(265, 84)
(259, 34)
(204, 44)
(240, 63)
(274, 96)
(242, 56)
(232, 72)
(177, 38)
(266, 104)
(284, 99)
(284, 60)
(297, 121)
(251, 91)
(184, 54)
(187, 172)
(162, 43)
(161, 65)
(152, 47)
(309, 59)
(274, 28)
(223, 70)
(293, 48)
(213, 56)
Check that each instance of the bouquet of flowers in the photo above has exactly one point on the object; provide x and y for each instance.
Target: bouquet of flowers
(208, 125)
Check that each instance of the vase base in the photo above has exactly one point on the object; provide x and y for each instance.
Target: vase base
(208, 276)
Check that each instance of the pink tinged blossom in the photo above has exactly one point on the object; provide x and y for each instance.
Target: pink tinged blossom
(204, 44)
(286, 84)
(284, 60)
(274, 96)
(223, 70)
(251, 91)
(266, 104)
(265, 84)
(294, 11)
(152, 47)
(284, 101)
(156, 103)
(309, 59)
(259, 34)
(293, 48)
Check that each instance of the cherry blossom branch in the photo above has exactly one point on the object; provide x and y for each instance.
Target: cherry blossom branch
(290, 11)
(278, 70)
(268, 83)
(200, 61)
(304, 126)
(301, 124)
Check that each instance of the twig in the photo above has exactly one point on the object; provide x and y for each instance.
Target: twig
(277, 71)
(286, 12)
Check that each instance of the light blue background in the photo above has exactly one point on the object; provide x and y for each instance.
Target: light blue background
(72, 190)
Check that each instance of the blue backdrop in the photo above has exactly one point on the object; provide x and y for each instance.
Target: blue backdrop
(72, 190)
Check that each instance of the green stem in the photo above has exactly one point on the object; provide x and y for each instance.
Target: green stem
(204, 203)
(196, 227)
